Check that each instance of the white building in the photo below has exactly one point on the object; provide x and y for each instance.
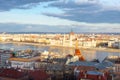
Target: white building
(89, 43)
(22, 64)
(116, 45)
(110, 43)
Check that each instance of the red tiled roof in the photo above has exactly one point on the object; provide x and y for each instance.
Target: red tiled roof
(85, 68)
(39, 75)
(11, 73)
(83, 75)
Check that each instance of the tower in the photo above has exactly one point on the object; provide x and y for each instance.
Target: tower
(78, 52)
(71, 37)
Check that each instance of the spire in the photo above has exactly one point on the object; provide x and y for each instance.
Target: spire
(78, 52)
(71, 33)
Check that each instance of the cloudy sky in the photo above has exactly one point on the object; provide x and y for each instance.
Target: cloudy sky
(59, 15)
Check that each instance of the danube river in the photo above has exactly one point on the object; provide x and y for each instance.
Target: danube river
(88, 54)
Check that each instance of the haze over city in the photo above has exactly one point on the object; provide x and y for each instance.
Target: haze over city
(59, 39)
(59, 15)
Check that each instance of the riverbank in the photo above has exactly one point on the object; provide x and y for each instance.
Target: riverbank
(82, 48)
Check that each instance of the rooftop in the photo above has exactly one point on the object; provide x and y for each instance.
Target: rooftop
(38, 75)
(102, 65)
(11, 73)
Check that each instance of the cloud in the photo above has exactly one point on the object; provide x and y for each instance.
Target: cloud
(110, 4)
(97, 27)
(113, 4)
(17, 27)
(29, 27)
(91, 11)
(81, 27)
(6, 5)
(101, 17)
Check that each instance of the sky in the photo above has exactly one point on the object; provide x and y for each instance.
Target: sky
(60, 15)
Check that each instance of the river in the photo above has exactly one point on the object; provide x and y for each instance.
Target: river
(88, 54)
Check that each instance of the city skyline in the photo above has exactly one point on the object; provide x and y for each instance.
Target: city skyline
(60, 15)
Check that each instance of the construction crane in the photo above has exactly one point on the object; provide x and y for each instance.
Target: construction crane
(78, 52)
